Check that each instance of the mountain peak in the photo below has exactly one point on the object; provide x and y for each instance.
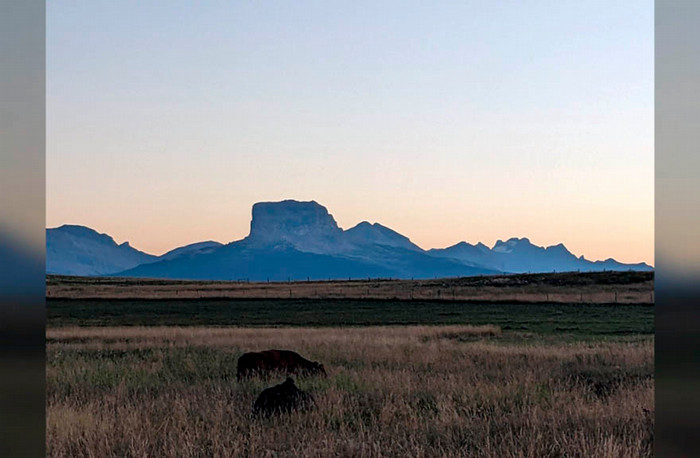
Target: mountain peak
(192, 249)
(73, 227)
(306, 225)
(366, 233)
(80, 250)
(76, 230)
(510, 244)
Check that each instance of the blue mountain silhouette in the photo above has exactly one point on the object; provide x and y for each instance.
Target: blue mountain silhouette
(292, 240)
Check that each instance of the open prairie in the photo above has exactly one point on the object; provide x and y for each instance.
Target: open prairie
(148, 367)
(557, 320)
(391, 391)
(562, 288)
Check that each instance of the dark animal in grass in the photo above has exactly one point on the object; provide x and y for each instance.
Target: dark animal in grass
(282, 398)
(283, 361)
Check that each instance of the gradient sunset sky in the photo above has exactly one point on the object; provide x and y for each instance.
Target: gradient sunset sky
(446, 121)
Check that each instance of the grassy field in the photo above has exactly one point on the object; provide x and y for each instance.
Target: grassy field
(148, 368)
(429, 391)
(563, 288)
(563, 319)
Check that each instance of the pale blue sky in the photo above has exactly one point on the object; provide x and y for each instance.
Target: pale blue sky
(446, 121)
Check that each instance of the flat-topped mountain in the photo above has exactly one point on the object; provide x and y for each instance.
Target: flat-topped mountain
(292, 240)
(307, 226)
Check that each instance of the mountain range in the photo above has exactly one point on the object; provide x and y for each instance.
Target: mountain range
(292, 240)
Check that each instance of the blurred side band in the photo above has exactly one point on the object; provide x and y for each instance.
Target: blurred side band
(677, 213)
(22, 217)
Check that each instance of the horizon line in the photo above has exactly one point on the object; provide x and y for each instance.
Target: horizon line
(499, 240)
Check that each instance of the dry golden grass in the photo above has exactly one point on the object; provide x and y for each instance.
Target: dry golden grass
(391, 391)
(591, 288)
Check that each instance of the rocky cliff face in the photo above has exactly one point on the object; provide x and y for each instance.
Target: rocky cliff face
(307, 226)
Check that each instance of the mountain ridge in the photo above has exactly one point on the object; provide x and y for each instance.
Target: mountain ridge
(301, 239)
(79, 250)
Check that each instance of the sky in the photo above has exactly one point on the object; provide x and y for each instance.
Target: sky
(446, 121)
